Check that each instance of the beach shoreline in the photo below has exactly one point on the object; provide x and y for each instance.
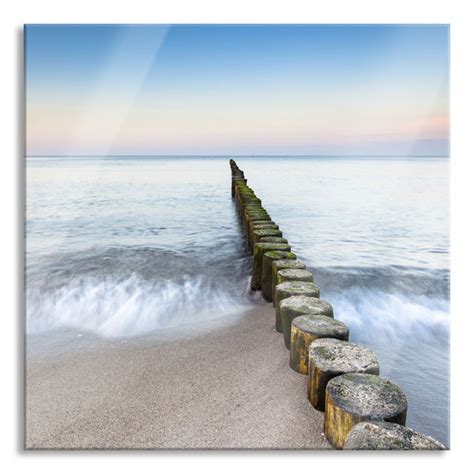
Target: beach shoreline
(229, 388)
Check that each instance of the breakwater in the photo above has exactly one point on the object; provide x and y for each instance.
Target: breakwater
(361, 409)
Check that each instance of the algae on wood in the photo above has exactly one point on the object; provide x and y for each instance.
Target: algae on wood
(381, 435)
(288, 289)
(329, 358)
(258, 251)
(295, 306)
(308, 328)
(280, 265)
(276, 240)
(268, 259)
(267, 231)
(353, 398)
(293, 274)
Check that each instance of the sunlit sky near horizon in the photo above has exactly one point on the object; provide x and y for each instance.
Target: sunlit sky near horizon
(237, 89)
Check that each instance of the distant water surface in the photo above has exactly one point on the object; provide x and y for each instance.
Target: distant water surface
(121, 247)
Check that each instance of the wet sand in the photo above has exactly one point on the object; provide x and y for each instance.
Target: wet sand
(231, 388)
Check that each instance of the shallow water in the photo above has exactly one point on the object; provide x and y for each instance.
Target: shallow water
(122, 247)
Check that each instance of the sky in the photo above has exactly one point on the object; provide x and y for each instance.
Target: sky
(237, 90)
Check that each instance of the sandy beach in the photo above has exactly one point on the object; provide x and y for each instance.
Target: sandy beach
(229, 388)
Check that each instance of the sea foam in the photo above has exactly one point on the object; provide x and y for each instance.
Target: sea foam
(392, 317)
(130, 307)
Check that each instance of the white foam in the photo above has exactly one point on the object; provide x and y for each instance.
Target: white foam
(391, 316)
(131, 307)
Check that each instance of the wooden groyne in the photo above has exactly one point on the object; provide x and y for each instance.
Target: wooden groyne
(361, 409)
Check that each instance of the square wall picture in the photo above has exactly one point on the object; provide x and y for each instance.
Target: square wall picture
(237, 236)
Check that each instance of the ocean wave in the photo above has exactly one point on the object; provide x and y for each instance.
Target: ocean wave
(129, 307)
(149, 263)
(388, 303)
(372, 314)
(390, 279)
(126, 291)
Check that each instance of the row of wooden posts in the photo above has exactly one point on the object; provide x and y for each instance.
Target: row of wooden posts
(361, 409)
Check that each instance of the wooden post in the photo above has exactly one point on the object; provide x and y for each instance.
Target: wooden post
(298, 306)
(381, 435)
(258, 251)
(329, 358)
(268, 259)
(289, 289)
(305, 330)
(353, 398)
(280, 265)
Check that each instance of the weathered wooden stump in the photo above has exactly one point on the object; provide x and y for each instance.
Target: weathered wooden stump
(264, 230)
(252, 209)
(276, 240)
(235, 180)
(352, 398)
(251, 204)
(381, 435)
(305, 330)
(258, 251)
(267, 231)
(247, 206)
(259, 220)
(298, 306)
(280, 265)
(254, 214)
(241, 188)
(251, 222)
(293, 274)
(246, 198)
(268, 259)
(329, 358)
(289, 289)
(263, 225)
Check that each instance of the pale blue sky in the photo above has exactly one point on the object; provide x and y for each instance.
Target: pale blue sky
(237, 89)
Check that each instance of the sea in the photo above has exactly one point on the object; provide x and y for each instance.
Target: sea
(119, 248)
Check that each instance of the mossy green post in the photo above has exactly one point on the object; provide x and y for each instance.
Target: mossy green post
(252, 210)
(255, 230)
(306, 329)
(263, 225)
(329, 358)
(264, 220)
(297, 306)
(289, 289)
(235, 180)
(267, 231)
(252, 214)
(385, 436)
(293, 274)
(280, 265)
(248, 219)
(268, 258)
(275, 240)
(255, 221)
(258, 251)
(246, 198)
(353, 398)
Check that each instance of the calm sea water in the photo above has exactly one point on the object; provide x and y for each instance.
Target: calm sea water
(121, 247)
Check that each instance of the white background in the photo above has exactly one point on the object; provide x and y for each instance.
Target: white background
(15, 13)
